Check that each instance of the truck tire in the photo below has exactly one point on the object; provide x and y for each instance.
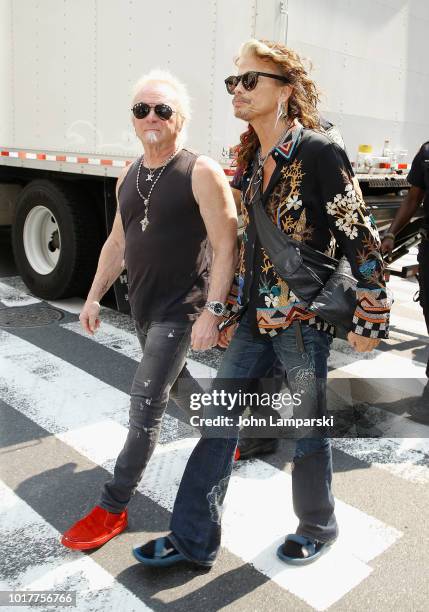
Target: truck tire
(56, 239)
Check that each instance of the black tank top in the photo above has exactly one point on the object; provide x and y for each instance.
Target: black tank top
(168, 263)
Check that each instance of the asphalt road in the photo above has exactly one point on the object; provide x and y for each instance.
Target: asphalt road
(63, 411)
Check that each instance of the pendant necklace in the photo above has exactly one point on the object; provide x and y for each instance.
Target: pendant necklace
(262, 160)
(256, 178)
(146, 200)
(151, 174)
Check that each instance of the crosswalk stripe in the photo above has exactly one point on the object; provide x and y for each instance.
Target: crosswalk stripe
(376, 364)
(410, 326)
(361, 539)
(403, 458)
(61, 570)
(13, 292)
(127, 344)
(406, 460)
(85, 413)
(10, 296)
(61, 397)
(342, 354)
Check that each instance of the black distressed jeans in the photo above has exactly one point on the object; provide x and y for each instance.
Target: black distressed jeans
(162, 373)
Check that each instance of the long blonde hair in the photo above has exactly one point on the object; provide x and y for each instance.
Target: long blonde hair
(302, 103)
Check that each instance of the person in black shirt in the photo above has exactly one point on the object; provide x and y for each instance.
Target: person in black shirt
(417, 195)
(175, 208)
(310, 192)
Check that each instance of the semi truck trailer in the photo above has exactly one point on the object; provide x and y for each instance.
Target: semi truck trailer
(67, 69)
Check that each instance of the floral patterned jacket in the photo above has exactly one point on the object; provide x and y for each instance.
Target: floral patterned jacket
(314, 197)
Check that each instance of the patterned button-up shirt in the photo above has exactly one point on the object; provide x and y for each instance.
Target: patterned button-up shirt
(314, 197)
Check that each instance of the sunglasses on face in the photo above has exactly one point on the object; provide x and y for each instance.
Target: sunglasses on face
(249, 80)
(142, 110)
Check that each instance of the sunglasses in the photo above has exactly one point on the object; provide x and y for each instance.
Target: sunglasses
(142, 110)
(249, 80)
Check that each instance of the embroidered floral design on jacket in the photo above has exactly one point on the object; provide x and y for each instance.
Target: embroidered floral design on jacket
(315, 199)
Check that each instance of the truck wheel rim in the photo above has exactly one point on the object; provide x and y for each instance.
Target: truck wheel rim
(42, 240)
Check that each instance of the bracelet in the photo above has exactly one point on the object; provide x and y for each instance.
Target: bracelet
(390, 235)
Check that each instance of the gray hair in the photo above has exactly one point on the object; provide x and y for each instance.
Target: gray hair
(163, 76)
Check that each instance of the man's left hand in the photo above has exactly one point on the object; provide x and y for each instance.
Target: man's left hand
(362, 344)
(205, 333)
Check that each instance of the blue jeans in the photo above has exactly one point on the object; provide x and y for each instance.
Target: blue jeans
(196, 518)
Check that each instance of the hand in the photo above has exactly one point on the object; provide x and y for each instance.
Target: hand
(89, 317)
(225, 336)
(362, 344)
(387, 245)
(205, 333)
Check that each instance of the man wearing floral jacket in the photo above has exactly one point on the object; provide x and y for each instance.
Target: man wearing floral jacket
(309, 191)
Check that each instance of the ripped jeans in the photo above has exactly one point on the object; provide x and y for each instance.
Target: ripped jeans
(162, 373)
(196, 519)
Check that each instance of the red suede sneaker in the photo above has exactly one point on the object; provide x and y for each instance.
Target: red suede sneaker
(95, 529)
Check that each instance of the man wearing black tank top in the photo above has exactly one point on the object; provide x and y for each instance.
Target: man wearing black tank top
(175, 231)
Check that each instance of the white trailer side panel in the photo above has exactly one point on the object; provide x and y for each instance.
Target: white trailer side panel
(369, 61)
(67, 68)
(79, 79)
(76, 61)
(38, 92)
(6, 74)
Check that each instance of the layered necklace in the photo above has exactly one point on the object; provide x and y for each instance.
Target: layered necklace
(257, 175)
(262, 160)
(150, 177)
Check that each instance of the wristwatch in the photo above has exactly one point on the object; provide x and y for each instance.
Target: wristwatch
(216, 308)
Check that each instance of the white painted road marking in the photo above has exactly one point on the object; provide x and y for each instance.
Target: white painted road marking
(127, 344)
(49, 566)
(11, 297)
(362, 537)
(408, 460)
(56, 395)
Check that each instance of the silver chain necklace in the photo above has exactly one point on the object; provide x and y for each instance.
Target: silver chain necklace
(256, 178)
(146, 200)
(262, 160)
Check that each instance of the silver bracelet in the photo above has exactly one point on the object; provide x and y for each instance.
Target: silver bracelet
(389, 235)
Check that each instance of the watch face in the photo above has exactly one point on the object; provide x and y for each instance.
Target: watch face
(218, 308)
